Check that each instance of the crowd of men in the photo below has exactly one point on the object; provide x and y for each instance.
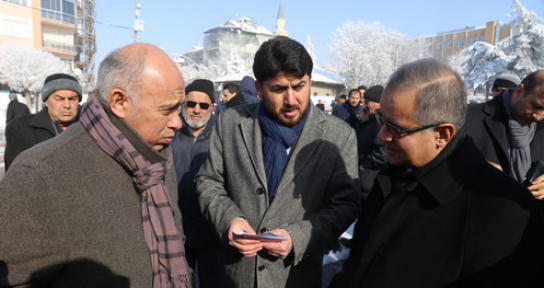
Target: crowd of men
(144, 185)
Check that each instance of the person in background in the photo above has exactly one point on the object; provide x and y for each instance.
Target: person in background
(350, 111)
(61, 94)
(247, 88)
(15, 108)
(505, 81)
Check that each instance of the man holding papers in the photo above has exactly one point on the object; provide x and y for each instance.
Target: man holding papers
(279, 165)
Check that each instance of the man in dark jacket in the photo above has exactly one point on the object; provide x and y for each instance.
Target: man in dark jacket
(190, 149)
(439, 215)
(370, 148)
(508, 129)
(15, 108)
(61, 94)
(350, 111)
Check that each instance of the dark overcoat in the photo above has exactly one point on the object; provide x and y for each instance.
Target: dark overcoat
(27, 131)
(461, 223)
(487, 124)
(16, 109)
(371, 153)
(317, 197)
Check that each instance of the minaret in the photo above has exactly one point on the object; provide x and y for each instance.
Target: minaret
(280, 23)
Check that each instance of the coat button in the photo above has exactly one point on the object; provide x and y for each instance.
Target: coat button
(263, 230)
(260, 191)
(261, 268)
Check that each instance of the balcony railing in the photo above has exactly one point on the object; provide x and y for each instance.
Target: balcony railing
(55, 15)
(61, 46)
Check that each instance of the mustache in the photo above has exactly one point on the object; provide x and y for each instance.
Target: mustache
(66, 111)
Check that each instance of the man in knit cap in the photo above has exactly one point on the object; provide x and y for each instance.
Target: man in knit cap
(370, 149)
(190, 148)
(505, 81)
(61, 94)
(15, 108)
(508, 129)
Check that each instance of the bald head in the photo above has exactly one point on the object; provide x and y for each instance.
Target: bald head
(127, 67)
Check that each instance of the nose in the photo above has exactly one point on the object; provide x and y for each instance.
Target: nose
(196, 110)
(290, 97)
(174, 122)
(385, 135)
(66, 103)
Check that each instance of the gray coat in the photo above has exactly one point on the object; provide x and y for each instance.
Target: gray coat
(318, 196)
(71, 216)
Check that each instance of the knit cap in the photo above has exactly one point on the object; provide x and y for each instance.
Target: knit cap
(374, 93)
(506, 79)
(60, 81)
(201, 85)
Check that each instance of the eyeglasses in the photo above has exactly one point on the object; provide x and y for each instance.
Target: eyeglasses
(192, 104)
(396, 131)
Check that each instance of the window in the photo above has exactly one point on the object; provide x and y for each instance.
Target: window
(448, 44)
(460, 43)
(16, 27)
(481, 38)
(58, 40)
(438, 46)
(59, 10)
(471, 41)
(20, 2)
(69, 63)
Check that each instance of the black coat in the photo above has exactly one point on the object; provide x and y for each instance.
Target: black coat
(27, 131)
(236, 100)
(487, 124)
(371, 153)
(189, 154)
(16, 109)
(456, 222)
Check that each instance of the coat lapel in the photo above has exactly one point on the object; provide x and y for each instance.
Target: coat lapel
(309, 140)
(494, 122)
(253, 140)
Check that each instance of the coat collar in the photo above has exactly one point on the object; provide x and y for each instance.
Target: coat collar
(497, 122)
(253, 139)
(43, 120)
(441, 178)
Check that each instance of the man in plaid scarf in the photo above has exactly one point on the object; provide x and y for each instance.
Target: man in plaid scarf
(96, 206)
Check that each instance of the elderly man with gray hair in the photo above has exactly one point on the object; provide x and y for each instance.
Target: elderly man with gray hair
(96, 205)
(439, 215)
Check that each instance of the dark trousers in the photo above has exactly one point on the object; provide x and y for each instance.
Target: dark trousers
(208, 264)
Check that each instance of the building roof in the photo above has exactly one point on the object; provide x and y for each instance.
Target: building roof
(244, 24)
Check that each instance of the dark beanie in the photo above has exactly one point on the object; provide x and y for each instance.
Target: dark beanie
(374, 93)
(201, 85)
(60, 81)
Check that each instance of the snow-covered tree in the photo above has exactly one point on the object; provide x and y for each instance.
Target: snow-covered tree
(525, 50)
(310, 48)
(369, 53)
(25, 69)
(483, 62)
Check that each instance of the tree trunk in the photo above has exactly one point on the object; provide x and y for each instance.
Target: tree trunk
(38, 102)
(27, 99)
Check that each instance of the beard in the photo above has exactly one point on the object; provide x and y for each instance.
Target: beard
(282, 119)
(195, 124)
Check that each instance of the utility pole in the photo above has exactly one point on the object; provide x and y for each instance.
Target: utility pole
(138, 23)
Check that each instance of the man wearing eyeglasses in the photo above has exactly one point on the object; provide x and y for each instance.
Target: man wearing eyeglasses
(438, 214)
(190, 148)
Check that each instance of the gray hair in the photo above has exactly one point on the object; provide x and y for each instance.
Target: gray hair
(121, 70)
(12, 96)
(441, 92)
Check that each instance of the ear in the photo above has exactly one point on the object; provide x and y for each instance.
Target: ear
(119, 102)
(518, 93)
(444, 136)
(259, 89)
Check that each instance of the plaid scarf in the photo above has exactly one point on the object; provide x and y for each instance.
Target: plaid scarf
(160, 232)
